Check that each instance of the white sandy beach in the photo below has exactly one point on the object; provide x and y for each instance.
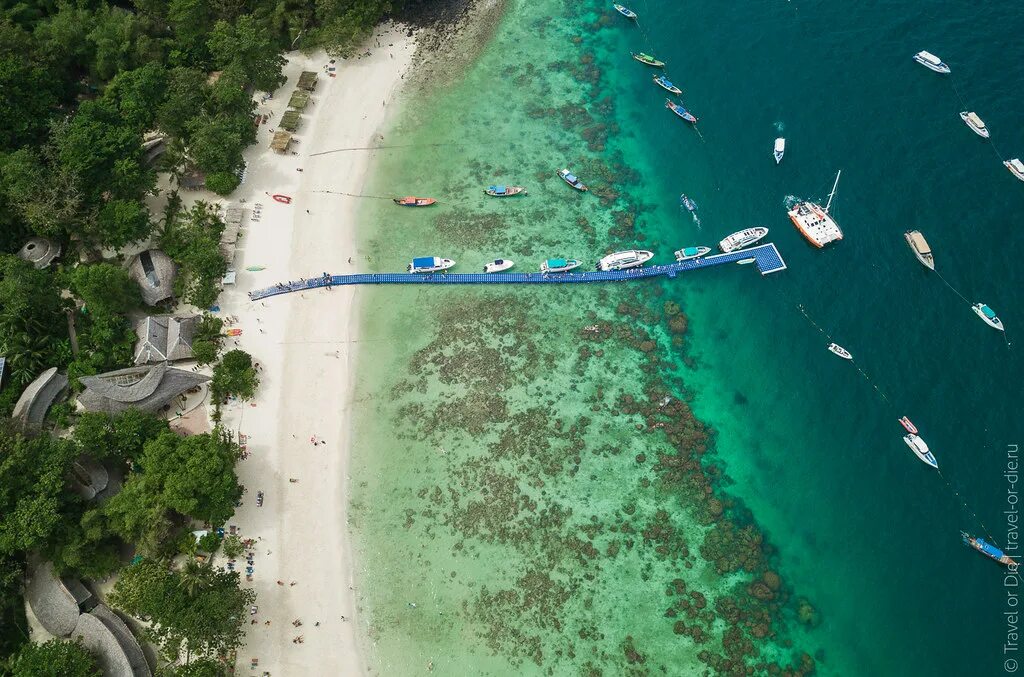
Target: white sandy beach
(305, 347)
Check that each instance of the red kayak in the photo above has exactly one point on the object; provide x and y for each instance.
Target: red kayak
(911, 428)
(414, 201)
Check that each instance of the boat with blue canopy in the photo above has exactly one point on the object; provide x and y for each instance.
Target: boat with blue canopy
(987, 549)
(680, 111)
(572, 180)
(505, 191)
(666, 84)
(988, 315)
(429, 264)
(559, 265)
(687, 253)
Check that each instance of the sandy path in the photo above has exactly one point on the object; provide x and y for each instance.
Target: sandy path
(305, 346)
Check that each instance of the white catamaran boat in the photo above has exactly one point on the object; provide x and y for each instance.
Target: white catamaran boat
(814, 222)
(988, 315)
(742, 239)
(920, 247)
(918, 446)
(976, 124)
(842, 352)
(429, 264)
(631, 258)
(780, 149)
(687, 253)
(1016, 167)
(929, 60)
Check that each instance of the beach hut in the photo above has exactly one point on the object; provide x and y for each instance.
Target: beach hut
(290, 120)
(299, 100)
(39, 251)
(281, 142)
(37, 398)
(154, 272)
(307, 81)
(193, 180)
(148, 388)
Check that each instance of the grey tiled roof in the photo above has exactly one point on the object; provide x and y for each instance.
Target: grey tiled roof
(164, 337)
(147, 388)
(36, 399)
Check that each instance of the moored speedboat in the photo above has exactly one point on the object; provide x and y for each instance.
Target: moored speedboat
(631, 258)
(680, 111)
(780, 149)
(572, 180)
(814, 222)
(666, 84)
(559, 265)
(987, 549)
(429, 264)
(976, 124)
(690, 205)
(687, 253)
(1016, 167)
(742, 238)
(920, 247)
(908, 425)
(625, 11)
(842, 352)
(988, 315)
(647, 59)
(505, 191)
(412, 201)
(498, 266)
(929, 60)
(919, 448)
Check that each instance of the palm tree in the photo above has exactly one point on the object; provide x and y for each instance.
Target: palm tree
(193, 577)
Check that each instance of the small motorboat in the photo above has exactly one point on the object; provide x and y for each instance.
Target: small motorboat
(412, 201)
(929, 60)
(780, 149)
(742, 238)
(920, 247)
(842, 352)
(498, 266)
(666, 84)
(625, 11)
(987, 549)
(429, 264)
(687, 253)
(690, 205)
(572, 180)
(1016, 167)
(919, 448)
(559, 265)
(647, 59)
(910, 427)
(680, 111)
(505, 191)
(631, 258)
(976, 124)
(988, 315)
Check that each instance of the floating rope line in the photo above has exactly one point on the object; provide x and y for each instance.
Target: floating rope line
(967, 508)
(338, 192)
(968, 301)
(407, 145)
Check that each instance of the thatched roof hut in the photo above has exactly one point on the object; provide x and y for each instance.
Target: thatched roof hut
(37, 398)
(165, 338)
(307, 80)
(281, 141)
(290, 120)
(129, 645)
(193, 180)
(154, 272)
(55, 606)
(97, 638)
(148, 388)
(299, 100)
(89, 477)
(39, 251)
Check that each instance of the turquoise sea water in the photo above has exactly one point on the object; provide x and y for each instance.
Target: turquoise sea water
(505, 481)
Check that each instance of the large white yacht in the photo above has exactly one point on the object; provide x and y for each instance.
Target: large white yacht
(630, 258)
(814, 222)
(929, 60)
(742, 239)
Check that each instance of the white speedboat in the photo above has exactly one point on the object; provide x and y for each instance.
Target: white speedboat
(814, 221)
(687, 253)
(631, 258)
(988, 315)
(920, 248)
(780, 149)
(742, 239)
(919, 448)
(559, 265)
(976, 124)
(429, 264)
(929, 60)
(1016, 167)
(842, 352)
(498, 266)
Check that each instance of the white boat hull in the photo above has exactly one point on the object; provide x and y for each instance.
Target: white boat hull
(681, 255)
(1015, 170)
(780, 149)
(742, 239)
(980, 131)
(842, 352)
(625, 260)
(498, 266)
(920, 449)
(993, 322)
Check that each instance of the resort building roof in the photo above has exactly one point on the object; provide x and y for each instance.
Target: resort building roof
(290, 120)
(299, 100)
(165, 338)
(39, 251)
(97, 638)
(307, 80)
(125, 639)
(281, 141)
(147, 387)
(154, 272)
(37, 398)
(52, 602)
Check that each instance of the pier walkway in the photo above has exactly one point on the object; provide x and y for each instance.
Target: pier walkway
(766, 257)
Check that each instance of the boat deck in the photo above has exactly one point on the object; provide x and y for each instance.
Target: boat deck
(765, 256)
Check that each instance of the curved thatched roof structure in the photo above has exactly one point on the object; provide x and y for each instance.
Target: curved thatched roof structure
(98, 639)
(36, 399)
(154, 272)
(147, 388)
(129, 645)
(39, 251)
(51, 601)
(88, 477)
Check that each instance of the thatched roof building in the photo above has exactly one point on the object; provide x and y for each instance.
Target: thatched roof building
(125, 639)
(37, 398)
(39, 251)
(282, 141)
(54, 603)
(148, 388)
(290, 120)
(192, 180)
(307, 80)
(89, 478)
(154, 272)
(97, 638)
(299, 100)
(165, 338)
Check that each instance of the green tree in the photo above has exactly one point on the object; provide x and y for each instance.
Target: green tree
(113, 37)
(185, 97)
(32, 319)
(235, 375)
(202, 618)
(233, 546)
(222, 183)
(106, 289)
(27, 98)
(192, 239)
(45, 196)
(246, 47)
(121, 437)
(55, 658)
(204, 667)
(120, 222)
(137, 94)
(105, 342)
(191, 21)
(85, 546)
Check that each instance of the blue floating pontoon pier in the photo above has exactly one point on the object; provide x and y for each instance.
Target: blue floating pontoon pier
(766, 257)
